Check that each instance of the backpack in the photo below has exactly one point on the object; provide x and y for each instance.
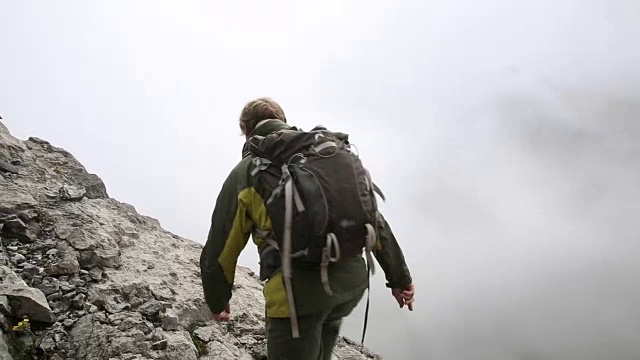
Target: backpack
(321, 200)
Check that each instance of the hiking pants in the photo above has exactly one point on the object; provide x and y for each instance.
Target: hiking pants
(318, 334)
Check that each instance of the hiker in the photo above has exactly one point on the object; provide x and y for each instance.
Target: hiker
(304, 304)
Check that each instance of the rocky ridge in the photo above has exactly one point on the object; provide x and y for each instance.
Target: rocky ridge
(84, 276)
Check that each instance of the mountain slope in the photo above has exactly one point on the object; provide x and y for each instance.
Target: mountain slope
(97, 280)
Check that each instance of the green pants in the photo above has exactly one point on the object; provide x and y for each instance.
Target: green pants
(318, 334)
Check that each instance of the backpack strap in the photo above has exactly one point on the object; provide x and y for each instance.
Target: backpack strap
(332, 243)
(260, 164)
(289, 191)
(371, 241)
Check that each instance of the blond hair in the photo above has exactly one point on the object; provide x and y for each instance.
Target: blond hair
(257, 110)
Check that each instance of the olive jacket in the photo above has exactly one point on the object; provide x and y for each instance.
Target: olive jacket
(240, 208)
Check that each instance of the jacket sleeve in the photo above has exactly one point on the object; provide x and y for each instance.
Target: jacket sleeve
(228, 235)
(390, 257)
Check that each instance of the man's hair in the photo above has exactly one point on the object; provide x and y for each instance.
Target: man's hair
(257, 110)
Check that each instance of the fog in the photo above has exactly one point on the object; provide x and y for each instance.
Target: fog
(504, 134)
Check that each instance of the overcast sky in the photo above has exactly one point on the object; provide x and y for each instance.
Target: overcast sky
(505, 135)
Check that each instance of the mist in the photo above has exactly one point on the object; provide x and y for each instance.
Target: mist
(505, 136)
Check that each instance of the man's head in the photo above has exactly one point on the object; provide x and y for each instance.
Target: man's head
(257, 110)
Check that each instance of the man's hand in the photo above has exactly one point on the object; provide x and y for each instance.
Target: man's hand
(404, 296)
(223, 316)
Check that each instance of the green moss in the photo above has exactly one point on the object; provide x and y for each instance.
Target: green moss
(201, 346)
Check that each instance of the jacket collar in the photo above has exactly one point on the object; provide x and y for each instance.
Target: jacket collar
(264, 128)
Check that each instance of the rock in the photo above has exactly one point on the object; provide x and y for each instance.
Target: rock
(180, 346)
(96, 274)
(49, 288)
(204, 333)
(218, 349)
(14, 227)
(157, 334)
(8, 167)
(67, 262)
(162, 293)
(170, 320)
(71, 193)
(4, 349)
(160, 345)
(152, 307)
(47, 343)
(101, 317)
(77, 282)
(7, 276)
(66, 287)
(5, 306)
(135, 321)
(28, 301)
(68, 323)
(69, 295)
(4, 323)
(108, 258)
(17, 259)
(79, 301)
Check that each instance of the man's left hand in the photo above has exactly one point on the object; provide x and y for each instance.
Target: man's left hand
(224, 315)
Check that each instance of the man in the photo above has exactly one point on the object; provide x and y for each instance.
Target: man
(240, 212)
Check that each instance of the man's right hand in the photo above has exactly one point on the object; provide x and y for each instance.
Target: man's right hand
(404, 296)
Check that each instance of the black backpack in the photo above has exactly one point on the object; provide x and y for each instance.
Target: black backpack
(321, 199)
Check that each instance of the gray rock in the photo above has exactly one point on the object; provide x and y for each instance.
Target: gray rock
(5, 305)
(71, 193)
(160, 345)
(77, 282)
(4, 349)
(54, 297)
(28, 301)
(49, 288)
(108, 258)
(163, 293)
(219, 349)
(67, 262)
(8, 167)
(135, 321)
(180, 346)
(170, 320)
(70, 295)
(157, 334)
(7, 276)
(47, 343)
(16, 228)
(66, 287)
(204, 333)
(18, 258)
(96, 274)
(152, 307)
(79, 301)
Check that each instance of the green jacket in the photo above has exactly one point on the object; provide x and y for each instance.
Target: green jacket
(240, 207)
